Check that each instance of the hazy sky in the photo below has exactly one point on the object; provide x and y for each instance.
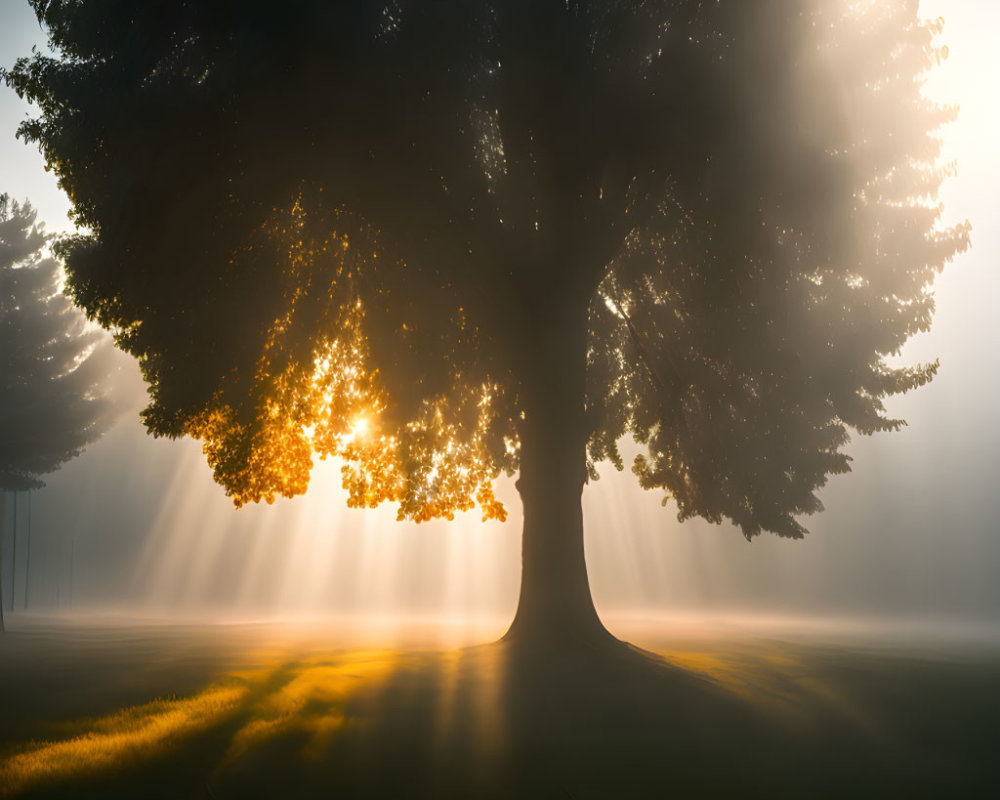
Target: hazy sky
(912, 530)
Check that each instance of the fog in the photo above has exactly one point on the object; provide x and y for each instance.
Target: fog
(136, 523)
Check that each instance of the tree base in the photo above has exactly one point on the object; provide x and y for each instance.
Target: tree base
(576, 636)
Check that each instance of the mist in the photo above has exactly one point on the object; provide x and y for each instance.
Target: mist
(157, 640)
(912, 531)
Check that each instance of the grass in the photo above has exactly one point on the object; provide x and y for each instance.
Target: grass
(254, 711)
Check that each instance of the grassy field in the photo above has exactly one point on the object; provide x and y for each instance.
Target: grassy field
(105, 708)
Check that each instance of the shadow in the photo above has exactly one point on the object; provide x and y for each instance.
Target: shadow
(758, 718)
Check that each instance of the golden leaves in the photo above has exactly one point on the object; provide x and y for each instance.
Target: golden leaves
(316, 392)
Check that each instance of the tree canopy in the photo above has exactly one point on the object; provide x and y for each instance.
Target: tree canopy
(54, 367)
(350, 228)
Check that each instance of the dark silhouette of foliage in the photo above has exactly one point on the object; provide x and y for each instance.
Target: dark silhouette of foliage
(54, 369)
(447, 240)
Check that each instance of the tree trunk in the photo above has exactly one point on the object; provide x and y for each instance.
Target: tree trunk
(27, 565)
(3, 526)
(13, 560)
(555, 605)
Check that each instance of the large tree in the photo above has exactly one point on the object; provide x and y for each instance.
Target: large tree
(54, 367)
(446, 240)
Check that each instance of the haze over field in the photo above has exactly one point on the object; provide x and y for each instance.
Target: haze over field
(138, 523)
(381, 252)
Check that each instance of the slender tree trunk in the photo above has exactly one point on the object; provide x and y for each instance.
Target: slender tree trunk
(27, 564)
(555, 604)
(13, 561)
(72, 563)
(3, 526)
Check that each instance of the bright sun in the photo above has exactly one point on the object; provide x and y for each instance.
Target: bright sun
(359, 428)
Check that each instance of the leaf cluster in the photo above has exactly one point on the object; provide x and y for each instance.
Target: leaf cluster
(54, 367)
(309, 214)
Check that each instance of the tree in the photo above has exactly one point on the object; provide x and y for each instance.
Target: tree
(53, 366)
(444, 241)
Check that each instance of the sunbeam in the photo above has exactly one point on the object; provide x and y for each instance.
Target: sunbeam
(497, 399)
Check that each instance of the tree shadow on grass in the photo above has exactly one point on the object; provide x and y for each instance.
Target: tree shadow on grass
(506, 721)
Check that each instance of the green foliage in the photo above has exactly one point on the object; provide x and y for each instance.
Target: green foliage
(737, 197)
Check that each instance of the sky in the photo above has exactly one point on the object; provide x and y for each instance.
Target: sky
(913, 531)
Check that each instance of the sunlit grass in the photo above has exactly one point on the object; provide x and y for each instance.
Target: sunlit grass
(775, 680)
(309, 699)
(312, 701)
(268, 699)
(129, 735)
(281, 709)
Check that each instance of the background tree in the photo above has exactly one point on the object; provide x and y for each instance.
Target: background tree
(54, 367)
(447, 240)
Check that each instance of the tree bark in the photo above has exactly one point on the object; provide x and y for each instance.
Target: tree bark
(555, 606)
